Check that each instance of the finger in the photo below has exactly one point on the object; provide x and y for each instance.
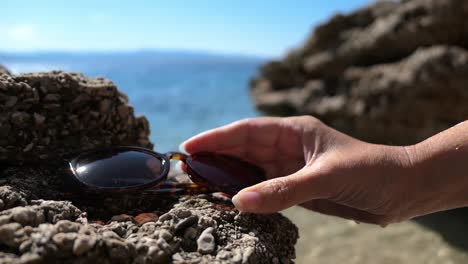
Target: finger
(280, 193)
(258, 131)
(330, 208)
(259, 154)
(270, 166)
(228, 136)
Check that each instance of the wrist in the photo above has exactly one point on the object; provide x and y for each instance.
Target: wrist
(438, 178)
(415, 184)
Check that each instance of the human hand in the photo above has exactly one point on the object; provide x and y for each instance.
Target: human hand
(311, 164)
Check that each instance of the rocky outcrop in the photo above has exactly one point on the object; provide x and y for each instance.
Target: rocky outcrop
(4, 70)
(199, 229)
(50, 115)
(392, 72)
(46, 117)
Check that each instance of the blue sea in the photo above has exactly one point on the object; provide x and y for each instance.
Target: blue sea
(181, 93)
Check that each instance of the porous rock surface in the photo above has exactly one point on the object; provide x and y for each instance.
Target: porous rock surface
(41, 221)
(50, 115)
(391, 72)
(37, 225)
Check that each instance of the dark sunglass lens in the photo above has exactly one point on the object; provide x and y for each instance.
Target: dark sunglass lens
(226, 173)
(118, 168)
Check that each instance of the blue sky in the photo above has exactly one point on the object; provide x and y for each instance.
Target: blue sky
(262, 27)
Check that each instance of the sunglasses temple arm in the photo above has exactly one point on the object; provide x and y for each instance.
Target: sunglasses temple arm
(172, 188)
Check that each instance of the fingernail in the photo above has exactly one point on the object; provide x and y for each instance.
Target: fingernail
(246, 201)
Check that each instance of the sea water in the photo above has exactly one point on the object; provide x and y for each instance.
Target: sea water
(181, 94)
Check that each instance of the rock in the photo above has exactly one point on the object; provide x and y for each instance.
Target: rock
(45, 211)
(69, 113)
(83, 244)
(166, 235)
(4, 70)
(105, 106)
(64, 241)
(66, 226)
(145, 218)
(186, 222)
(182, 213)
(7, 233)
(67, 240)
(38, 120)
(122, 218)
(165, 217)
(161, 252)
(206, 242)
(11, 101)
(392, 72)
(20, 119)
(190, 233)
(24, 215)
(123, 111)
(43, 221)
(12, 197)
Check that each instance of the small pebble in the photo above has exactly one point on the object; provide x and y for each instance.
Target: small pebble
(117, 249)
(165, 217)
(146, 217)
(83, 244)
(11, 101)
(110, 234)
(24, 215)
(182, 213)
(64, 241)
(247, 253)
(191, 220)
(121, 218)
(164, 234)
(236, 256)
(7, 233)
(206, 242)
(190, 233)
(65, 226)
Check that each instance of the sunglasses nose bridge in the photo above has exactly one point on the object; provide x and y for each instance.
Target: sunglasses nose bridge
(176, 156)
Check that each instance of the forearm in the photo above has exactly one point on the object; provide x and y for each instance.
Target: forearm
(440, 170)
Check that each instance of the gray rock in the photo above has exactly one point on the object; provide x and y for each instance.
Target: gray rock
(206, 242)
(83, 244)
(41, 221)
(66, 239)
(56, 113)
(164, 234)
(182, 213)
(165, 217)
(11, 197)
(4, 70)
(394, 72)
(24, 216)
(8, 233)
(184, 223)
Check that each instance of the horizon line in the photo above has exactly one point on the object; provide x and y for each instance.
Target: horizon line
(139, 50)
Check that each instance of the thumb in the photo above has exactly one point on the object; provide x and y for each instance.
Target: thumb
(280, 193)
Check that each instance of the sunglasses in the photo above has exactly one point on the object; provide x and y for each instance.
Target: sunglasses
(133, 169)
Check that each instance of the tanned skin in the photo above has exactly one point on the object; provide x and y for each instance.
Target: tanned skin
(310, 164)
